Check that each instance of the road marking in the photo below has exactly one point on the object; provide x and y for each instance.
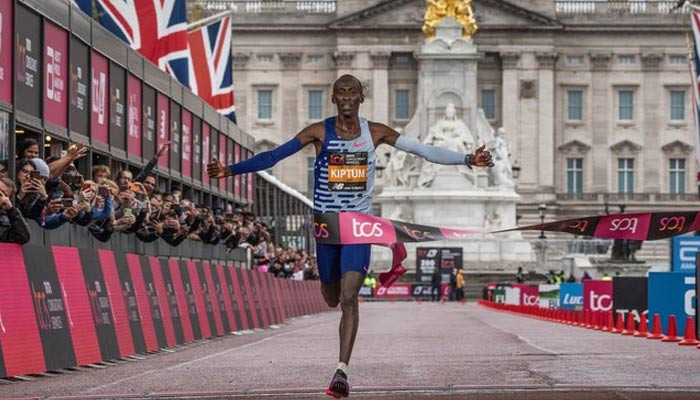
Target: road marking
(245, 346)
(525, 340)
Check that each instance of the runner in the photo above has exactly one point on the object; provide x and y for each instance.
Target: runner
(343, 181)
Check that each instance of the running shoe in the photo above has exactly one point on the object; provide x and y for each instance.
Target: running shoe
(339, 386)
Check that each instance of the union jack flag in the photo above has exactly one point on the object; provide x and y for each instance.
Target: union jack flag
(155, 28)
(85, 5)
(695, 23)
(210, 50)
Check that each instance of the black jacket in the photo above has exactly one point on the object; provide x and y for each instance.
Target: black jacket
(13, 227)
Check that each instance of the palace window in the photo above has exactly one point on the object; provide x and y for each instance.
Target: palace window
(315, 104)
(488, 103)
(401, 104)
(574, 175)
(575, 105)
(625, 105)
(264, 104)
(625, 175)
(677, 112)
(676, 180)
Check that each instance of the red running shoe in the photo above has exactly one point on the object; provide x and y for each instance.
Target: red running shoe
(339, 386)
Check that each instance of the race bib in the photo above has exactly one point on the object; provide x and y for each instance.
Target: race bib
(347, 172)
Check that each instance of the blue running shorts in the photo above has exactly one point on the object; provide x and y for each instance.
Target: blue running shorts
(334, 260)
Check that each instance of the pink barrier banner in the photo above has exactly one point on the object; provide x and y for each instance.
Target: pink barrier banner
(397, 290)
(597, 295)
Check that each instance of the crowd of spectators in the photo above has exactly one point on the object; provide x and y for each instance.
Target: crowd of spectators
(53, 193)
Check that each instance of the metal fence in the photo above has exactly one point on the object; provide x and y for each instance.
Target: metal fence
(271, 6)
(633, 7)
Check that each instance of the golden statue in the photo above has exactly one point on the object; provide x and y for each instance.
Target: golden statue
(460, 10)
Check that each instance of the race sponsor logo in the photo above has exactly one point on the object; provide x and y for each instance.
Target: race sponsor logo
(396, 290)
(683, 254)
(529, 294)
(600, 302)
(571, 296)
(665, 225)
(366, 229)
(416, 233)
(624, 224)
(572, 300)
(321, 230)
(597, 295)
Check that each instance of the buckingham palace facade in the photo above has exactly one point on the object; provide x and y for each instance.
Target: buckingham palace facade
(595, 97)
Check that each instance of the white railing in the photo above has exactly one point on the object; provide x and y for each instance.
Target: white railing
(271, 6)
(618, 7)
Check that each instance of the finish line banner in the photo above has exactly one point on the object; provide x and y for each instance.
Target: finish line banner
(358, 228)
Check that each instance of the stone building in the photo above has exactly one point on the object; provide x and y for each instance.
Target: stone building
(595, 96)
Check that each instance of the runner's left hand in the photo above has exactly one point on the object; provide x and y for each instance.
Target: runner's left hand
(481, 158)
(216, 170)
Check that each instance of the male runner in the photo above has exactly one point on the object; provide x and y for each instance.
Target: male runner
(343, 181)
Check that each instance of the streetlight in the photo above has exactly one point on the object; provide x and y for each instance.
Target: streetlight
(542, 209)
(516, 170)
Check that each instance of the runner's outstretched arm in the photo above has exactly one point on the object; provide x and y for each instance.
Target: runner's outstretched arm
(437, 155)
(266, 159)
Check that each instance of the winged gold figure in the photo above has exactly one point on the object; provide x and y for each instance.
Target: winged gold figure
(460, 10)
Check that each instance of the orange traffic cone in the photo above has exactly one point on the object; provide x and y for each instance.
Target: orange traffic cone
(619, 327)
(629, 329)
(689, 337)
(671, 330)
(656, 328)
(642, 330)
(607, 326)
(597, 320)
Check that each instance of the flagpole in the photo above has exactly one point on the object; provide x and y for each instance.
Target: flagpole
(693, 80)
(209, 19)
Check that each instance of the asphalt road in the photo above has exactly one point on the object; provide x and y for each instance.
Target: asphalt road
(404, 351)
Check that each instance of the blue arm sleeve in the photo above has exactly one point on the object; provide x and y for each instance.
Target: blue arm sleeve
(433, 154)
(267, 159)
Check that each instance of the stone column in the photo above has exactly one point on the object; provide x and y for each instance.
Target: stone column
(509, 108)
(380, 86)
(599, 118)
(650, 116)
(289, 88)
(291, 119)
(240, 64)
(547, 62)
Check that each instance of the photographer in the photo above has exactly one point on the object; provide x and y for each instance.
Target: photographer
(31, 196)
(102, 219)
(13, 227)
